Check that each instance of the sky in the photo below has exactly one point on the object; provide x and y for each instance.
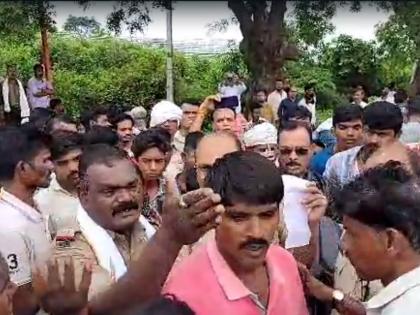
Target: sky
(190, 19)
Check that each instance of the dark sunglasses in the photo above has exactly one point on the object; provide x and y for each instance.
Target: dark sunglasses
(298, 151)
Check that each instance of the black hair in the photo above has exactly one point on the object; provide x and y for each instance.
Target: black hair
(383, 115)
(387, 196)
(119, 118)
(167, 305)
(260, 89)
(85, 118)
(17, 145)
(245, 176)
(63, 142)
(301, 112)
(191, 141)
(99, 153)
(100, 134)
(39, 117)
(98, 112)
(309, 86)
(152, 138)
(50, 127)
(400, 96)
(54, 102)
(294, 125)
(38, 66)
(347, 113)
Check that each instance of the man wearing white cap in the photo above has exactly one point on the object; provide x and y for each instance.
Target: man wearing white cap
(168, 115)
(262, 139)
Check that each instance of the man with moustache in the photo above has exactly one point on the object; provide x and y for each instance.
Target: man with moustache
(296, 150)
(59, 202)
(25, 166)
(239, 271)
(189, 113)
(113, 234)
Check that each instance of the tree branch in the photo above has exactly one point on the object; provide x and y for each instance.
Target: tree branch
(242, 14)
(277, 14)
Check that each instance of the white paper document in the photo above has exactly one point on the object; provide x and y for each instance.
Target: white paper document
(295, 214)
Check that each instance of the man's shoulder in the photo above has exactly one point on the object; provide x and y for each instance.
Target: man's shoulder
(11, 219)
(190, 269)
(346, 154)
(74, 245)
(282, 255)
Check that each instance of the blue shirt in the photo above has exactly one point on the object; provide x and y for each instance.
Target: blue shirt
(319, 161)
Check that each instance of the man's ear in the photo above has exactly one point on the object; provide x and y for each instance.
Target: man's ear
(21, 168)
(396, 242)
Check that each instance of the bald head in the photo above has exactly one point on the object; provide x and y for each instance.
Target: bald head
(212, 147)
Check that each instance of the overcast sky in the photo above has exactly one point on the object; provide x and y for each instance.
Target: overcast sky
(191, 18)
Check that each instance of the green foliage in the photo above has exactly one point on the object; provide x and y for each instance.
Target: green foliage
(307, 71)
(110, 71)
(396, 52)
(82, 26)
(352, 61)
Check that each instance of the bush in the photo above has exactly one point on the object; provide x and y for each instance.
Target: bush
(90, 73)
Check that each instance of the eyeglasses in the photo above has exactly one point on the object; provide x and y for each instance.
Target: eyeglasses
(298, 151)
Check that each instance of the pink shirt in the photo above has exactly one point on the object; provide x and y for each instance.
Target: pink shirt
(207, 284)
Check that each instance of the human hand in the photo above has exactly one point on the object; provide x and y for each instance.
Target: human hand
(190, 217)
(316, 203)
(313, 286)
(209, 102)
(58, 297)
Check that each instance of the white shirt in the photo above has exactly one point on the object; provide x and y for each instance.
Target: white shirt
(59, 206)
(274, 99)
(410, 132)
(311, 107)
(235, 90)
(24, 238)
(362, 104)
(400, 297)
(342, 167)
(35, 86)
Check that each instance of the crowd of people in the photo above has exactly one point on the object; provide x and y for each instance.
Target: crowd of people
(128, 212)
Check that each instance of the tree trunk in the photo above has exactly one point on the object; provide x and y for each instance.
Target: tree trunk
(46, 55)
(265, 42)
(415, 81)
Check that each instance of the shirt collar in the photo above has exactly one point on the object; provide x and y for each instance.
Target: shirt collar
(25, 209)
(232, 286)
(55, 185)
(395, 289)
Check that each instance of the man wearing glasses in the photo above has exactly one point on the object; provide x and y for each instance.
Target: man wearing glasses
(296, 150)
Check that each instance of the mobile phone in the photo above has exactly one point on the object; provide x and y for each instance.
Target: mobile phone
(229, 101)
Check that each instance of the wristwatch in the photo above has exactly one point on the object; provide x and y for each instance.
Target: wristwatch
(337, 298)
